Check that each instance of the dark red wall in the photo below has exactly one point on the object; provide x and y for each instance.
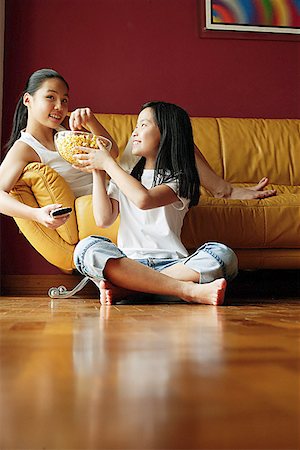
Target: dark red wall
(117, 54)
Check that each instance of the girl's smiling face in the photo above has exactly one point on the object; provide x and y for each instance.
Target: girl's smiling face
(49, 104)
(146, 136)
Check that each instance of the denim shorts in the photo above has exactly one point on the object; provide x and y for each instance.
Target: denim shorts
(212, 260)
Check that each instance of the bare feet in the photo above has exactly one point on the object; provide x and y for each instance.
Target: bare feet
(208, 293)
(255, 192)
(109, 293)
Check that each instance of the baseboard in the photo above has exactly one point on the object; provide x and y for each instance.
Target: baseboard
(247, 283)
(38, 285)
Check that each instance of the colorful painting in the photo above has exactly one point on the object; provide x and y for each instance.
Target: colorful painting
(271, 16)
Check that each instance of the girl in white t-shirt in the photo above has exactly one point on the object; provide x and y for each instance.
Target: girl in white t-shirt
(152, 202)
(41, 109)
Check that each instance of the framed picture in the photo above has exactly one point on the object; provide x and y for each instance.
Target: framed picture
(277, 19)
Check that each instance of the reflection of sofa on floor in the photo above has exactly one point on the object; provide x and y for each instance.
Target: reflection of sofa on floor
(264, 233)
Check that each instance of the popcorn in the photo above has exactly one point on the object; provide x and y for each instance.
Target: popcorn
(67, 141)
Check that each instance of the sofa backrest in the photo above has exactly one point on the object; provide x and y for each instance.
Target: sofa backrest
(244, 150)
(239, 150)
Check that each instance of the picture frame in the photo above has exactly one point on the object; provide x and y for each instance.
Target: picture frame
(250, 19)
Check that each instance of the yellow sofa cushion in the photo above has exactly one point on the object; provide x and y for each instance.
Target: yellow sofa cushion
(84, 209)
(245, 150)
(39, 186)
(46, 186)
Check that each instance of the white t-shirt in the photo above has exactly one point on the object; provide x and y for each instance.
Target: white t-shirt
(153, 233)
(80, 182)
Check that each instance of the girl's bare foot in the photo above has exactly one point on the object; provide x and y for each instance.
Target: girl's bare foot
(209, 293)
(109, 293)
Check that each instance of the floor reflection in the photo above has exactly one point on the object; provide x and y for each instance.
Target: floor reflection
(129, 365)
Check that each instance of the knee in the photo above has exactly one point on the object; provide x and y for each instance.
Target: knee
(229, 261)
(85, 249)
(225, 258)
(84, 244)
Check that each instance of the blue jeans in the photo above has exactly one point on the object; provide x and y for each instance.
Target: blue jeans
(212, 260)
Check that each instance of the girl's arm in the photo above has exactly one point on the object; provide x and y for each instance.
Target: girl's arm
(105, 209)
(84, 117)
(10, 171)
(142, 197)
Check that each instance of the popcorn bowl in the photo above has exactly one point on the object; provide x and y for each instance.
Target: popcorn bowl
(66, 142)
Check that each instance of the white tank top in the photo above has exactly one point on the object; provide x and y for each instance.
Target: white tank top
(80, 182)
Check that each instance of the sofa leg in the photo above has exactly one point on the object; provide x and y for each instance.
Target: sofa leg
(62, 292)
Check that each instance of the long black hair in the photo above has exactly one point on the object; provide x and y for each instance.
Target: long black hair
(176, 155)
(33, 83)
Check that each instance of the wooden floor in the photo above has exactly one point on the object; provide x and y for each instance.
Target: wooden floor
(75, 375)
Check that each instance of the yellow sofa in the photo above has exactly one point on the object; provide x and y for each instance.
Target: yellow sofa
(265, 234)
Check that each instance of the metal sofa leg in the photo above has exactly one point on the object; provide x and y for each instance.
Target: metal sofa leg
(62, 292)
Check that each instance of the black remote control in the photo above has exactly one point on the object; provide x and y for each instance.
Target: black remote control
(60, 212)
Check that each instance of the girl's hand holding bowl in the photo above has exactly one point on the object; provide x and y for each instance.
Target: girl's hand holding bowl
(70, 143)
(89, 159)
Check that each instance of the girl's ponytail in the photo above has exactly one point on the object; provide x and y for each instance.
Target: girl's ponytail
(19, 122)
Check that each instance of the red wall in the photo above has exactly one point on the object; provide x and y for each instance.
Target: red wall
(117, 54)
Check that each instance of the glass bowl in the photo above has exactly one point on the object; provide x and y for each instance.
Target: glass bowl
(66, 142)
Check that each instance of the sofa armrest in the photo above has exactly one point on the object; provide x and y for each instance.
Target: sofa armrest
(39, 186)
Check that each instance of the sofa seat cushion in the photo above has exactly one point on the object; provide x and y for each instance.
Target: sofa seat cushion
(268, 223)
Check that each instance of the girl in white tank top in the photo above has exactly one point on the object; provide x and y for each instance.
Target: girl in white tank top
(40, 111)
(80, 182)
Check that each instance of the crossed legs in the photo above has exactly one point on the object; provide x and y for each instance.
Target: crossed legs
(132, 276)
(119, 277)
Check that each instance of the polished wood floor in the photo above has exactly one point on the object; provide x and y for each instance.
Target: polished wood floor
(166, 375)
